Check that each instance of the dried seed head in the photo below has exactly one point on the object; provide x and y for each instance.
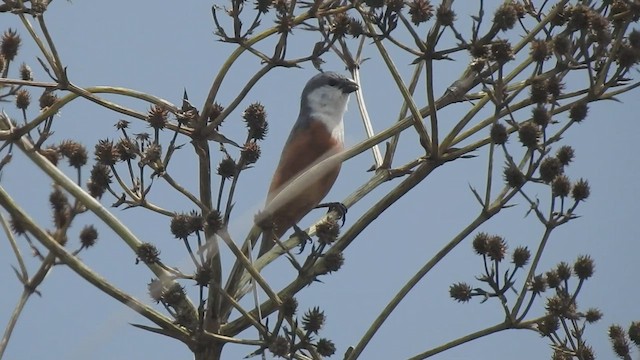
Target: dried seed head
(460, 292)
(420, 11)
(122, 124)
(23, 99)
(540, 115)
(499, 134)
(501, 51)
(74, 152)
(554, 87)
(127, 149)
(47, 99)
(203, 275)
(227, 168)
(151, 154)
(340, 25)
(157, 117)
(627, 56)
(88, 236)
(598, 22)
(18, 226)
(540, 50)
(58, 200)
(520, 256)
(180, 226)
(564, 271)
(355, 28)
(619, 341)
(592, 315)
(479, 50)
(565, 154)
(251, 152)
(538, 284)
(634, 332)
(562, 44)
(279, 347)
(505, 16)
(325, 347)
(550, 167)
(106, 152)
(539, 91)
(548, 325)
(445, 15)
(156, 289)
(528, 135)
(333, 261)
(216, 110)
(38, 7)
(584, 267)
(99, 180)
(281, 6)
(561, 186)
(560, 305)
(10, 44)
(478, 64)
(148, 254)
(263, 6)
(173, 294)
(284, 23)
(25, 72)
(480, 243)
(289, 306)
(496, 248)
(61, 209)
(213, 221)
(394, 5)
(256, 118)
(615, 331)
(585, 352)
(313, 320)
(581, 190)
(560, 17)
(553, 280)
(579, 17)
(513, 176)
(327, 231)
(51, 153)
(3, 63)
(196, 221)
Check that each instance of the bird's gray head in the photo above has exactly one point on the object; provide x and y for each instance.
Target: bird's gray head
(324, 98)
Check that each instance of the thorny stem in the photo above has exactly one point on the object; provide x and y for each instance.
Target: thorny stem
(15, 248)
(476, 335)
(57, 251)
(532, 269)
(22, 301)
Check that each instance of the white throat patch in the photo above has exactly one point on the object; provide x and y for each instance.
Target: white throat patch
(328, 104)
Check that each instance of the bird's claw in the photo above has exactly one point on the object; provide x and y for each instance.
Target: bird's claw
(304, 237)
(338, 207)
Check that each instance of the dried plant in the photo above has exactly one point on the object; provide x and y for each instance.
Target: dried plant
(533, 69)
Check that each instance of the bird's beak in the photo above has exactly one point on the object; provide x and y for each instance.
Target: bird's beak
(348, 86)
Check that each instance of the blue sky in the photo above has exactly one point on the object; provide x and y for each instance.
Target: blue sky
(163, 48)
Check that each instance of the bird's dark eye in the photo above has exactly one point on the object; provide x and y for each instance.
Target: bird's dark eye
(333, 82)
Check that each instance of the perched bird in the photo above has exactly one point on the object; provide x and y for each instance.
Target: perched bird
(317, 134)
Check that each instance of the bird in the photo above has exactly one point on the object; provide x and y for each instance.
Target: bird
(317, 134)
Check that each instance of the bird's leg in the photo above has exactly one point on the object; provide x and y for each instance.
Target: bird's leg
(304, 237)
(339, 207)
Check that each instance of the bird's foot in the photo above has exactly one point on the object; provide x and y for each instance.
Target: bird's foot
(304, 237)
(338, 207)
